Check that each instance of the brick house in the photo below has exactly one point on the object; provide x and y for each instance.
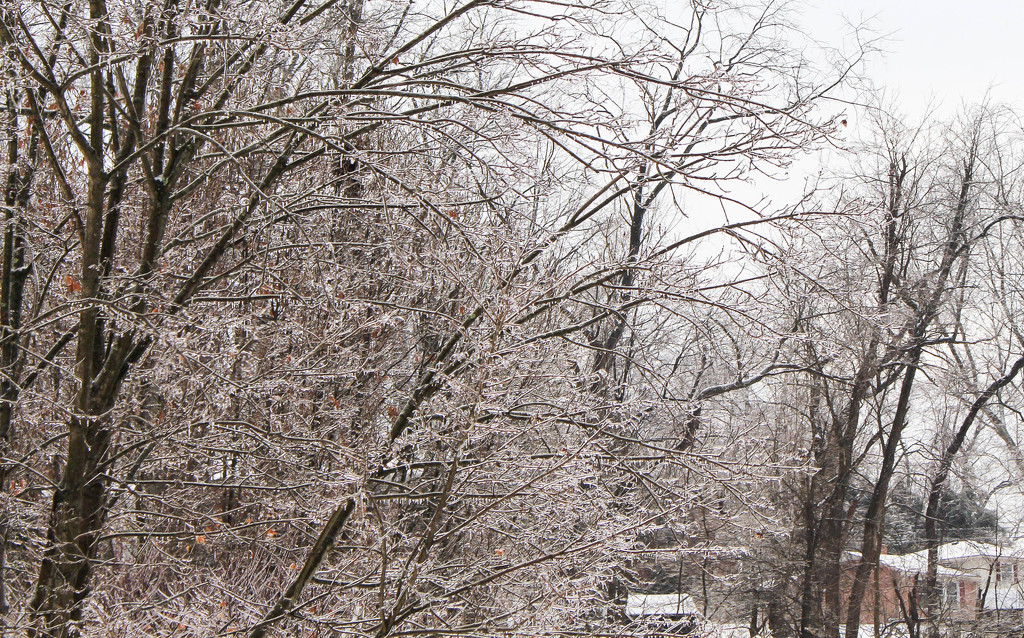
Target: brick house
(977, 582)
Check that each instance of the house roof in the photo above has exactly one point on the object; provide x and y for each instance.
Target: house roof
(963, 550)
(916, 563)
(1016, 548)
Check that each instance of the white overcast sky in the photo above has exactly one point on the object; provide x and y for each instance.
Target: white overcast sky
(940, 54)
(935, 57)
(945, 51)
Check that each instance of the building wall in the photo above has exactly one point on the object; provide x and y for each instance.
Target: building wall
(893, 585)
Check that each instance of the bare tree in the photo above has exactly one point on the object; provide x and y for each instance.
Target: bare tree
(299, 302)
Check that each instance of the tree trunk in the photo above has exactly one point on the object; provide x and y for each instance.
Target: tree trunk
(871, 545)
(76, 517)
(929, 593)
(924, 315)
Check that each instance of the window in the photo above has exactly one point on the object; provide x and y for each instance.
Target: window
(1007, 573)
(951, 595)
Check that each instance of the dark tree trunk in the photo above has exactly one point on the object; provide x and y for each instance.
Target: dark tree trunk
(929, 593)
(925, 313)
